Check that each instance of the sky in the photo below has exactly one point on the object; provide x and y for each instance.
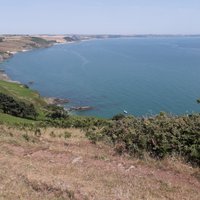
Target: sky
(100, 16)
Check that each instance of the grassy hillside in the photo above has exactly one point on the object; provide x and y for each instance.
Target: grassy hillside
(9, 119)
(24, 94)
(56, 163)
(158, 136)
(21, 92)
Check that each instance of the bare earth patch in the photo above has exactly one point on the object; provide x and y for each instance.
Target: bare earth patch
(53, 167)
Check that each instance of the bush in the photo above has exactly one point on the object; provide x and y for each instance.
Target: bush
(38, 132)
(94, 136)
(56, 112)
(26, 137)
(159, 136)
(118, 117)
(11, 106)
(76, 122)
(67, 134)
(52, 134)
(41, 41)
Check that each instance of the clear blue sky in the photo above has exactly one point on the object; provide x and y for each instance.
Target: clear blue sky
(100, 16)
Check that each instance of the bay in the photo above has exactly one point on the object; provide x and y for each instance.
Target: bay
(141, 75)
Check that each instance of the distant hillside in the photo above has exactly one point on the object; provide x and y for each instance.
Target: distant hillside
(9, 45)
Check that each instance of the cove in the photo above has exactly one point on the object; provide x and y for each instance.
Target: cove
(141, 75)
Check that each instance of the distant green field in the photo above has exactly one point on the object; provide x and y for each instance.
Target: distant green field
(41, 41)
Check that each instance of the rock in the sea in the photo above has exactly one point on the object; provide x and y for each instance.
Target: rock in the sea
(81, 108)
(56, 101)
(30, 82)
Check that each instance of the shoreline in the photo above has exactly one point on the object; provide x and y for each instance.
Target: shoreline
(49, 100)
(5, 55)
(9, 54)
(5, 77)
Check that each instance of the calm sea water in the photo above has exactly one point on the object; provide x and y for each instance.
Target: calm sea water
(141, 75)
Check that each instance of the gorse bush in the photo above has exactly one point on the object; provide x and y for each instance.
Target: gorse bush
(160, 136)
(17, 108)
(118, 117)
(76, 122)
(67, 134)
(26, 137)
(56, 112)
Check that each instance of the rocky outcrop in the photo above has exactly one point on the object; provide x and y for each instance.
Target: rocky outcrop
(55, 101)
(81, 108)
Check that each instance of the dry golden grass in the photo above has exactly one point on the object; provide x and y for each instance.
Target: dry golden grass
(57, 166)
(15, 43)
(57, 38)
(20, 43)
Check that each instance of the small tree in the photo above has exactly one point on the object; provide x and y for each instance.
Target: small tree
(57, 112)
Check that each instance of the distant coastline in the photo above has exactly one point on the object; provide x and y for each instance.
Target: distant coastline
(103, 104)
(41, 41)
(13, 44)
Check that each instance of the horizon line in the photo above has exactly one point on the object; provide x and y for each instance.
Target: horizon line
(111, 34)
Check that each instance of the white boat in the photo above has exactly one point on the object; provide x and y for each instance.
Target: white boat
(126, 112)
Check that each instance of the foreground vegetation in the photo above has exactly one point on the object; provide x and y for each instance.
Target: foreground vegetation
(158, 136)
(11, 106)
(59, 163)
(48, 154)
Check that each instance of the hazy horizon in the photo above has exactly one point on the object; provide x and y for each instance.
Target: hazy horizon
(96, 34)
(103, 17)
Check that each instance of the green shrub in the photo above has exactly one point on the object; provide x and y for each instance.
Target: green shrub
(94, 136)
(118, 117)
(67, 134)
(52, 134)
(159, 136)
(38, 132)
(41, 41)
(17, 108)
(56, 112)
(26, 137)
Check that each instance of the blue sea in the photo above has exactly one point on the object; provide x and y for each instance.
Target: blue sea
(143, 75)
